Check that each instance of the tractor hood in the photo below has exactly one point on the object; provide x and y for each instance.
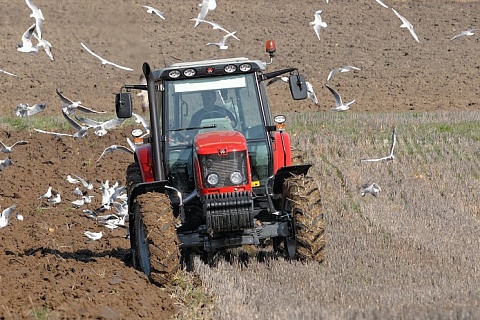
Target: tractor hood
(219, 142)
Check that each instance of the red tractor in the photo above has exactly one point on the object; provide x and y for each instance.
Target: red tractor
(206, 179)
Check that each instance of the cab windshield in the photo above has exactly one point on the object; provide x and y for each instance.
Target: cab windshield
(236, 106)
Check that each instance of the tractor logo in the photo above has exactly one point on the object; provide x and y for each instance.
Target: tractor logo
(222, 152)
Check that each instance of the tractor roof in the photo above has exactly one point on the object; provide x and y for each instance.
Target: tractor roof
(207, 68)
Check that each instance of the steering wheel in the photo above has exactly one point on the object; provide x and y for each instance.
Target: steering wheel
(214, 114)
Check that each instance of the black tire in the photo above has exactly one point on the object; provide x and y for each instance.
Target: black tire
(302, 198)
(155, 242)
(134, 176)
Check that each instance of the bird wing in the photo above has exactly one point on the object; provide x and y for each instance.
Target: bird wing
(63, 98)
(382, 4)
(394, 141)
(118, 66)
(21, 142)
(27, 36)
(77, 126)
(112, 123)
(8, 211)
(140, 119)
(54, 133)
(338, 99)
(88, 122)
(94, 54)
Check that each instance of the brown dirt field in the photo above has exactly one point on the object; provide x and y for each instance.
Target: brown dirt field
(46, 261)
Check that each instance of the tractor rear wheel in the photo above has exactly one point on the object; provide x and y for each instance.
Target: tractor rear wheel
(302, 198)
(155, 244)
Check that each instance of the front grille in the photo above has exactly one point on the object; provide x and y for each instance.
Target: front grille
(226, 212)
(223, 166)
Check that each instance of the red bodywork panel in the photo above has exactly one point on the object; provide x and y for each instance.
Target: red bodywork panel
(144, 156)
(220, 142)
(282, 152)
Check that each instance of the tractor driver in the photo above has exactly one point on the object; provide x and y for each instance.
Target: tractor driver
(211, 110)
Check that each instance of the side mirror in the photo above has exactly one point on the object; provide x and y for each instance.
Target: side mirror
(123, 105)
(298, 87)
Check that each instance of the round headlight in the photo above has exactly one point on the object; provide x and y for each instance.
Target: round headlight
(245, 67)
(230, 68)
(174, 74)
(212, 179)
(236, 177)
(189, 72)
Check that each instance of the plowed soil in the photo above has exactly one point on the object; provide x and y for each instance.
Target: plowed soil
(47, 264)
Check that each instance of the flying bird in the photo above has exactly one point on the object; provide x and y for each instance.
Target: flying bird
(142, 121)
(222, 44)
(318, 24)
(72, 180)
(104, 61)
(5, 215)
(85, 183)
(155, 11)
(205, 6)
(27, 45)
(373, 189)
(340, 106)
(407, 25)
(214, 25)
(341, 70)
(100, 127)
(469, 32)
(69, 106)
(47, 46)
(9, 149)
(114, 148)
(390, 155)
(24, 110)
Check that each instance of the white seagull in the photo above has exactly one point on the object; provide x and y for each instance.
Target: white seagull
(311, 94)
(9, 149)
(214, 25)
(7, 162)
(93, 235)
(139, 119)
(5, 214)
(114, 148)
(104, 61)
(222, 44)
(8, 73)
(100, 127)
(24, 110)
(46, 195)
(72, 180)
(469, 32)
(340, 106)
(407, 25)
(318, 23)
(373, 189)
(69, 105)
(204, 7)
(390, 155)
(155, 11)
(341, 70)
(55, 200)
(27, 45)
